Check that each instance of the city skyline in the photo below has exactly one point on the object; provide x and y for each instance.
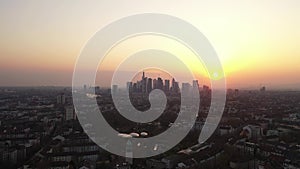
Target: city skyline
(150, 84)
(257, 42)
(146, 84)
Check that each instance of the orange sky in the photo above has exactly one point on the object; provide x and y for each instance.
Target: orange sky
(257, 41)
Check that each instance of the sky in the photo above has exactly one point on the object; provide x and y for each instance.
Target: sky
(257, 41)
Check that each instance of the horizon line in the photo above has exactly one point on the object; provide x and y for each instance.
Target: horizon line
(124, 87)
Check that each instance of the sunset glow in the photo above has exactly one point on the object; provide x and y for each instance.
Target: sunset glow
(257, 42)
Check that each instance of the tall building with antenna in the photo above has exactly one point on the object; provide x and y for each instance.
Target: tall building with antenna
(144, 83)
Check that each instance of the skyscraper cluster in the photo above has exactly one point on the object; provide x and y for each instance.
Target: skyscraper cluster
(146, 85)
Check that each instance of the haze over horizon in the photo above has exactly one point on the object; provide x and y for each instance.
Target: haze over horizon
(256, 41)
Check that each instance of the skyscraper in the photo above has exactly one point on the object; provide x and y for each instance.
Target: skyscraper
(175, 86)
(195, 84)
(154, 84)
(186, 88)
(144, 83)
(167, 85)
(139, 86)
(160, 83)
(149, 85)
(134, 88)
